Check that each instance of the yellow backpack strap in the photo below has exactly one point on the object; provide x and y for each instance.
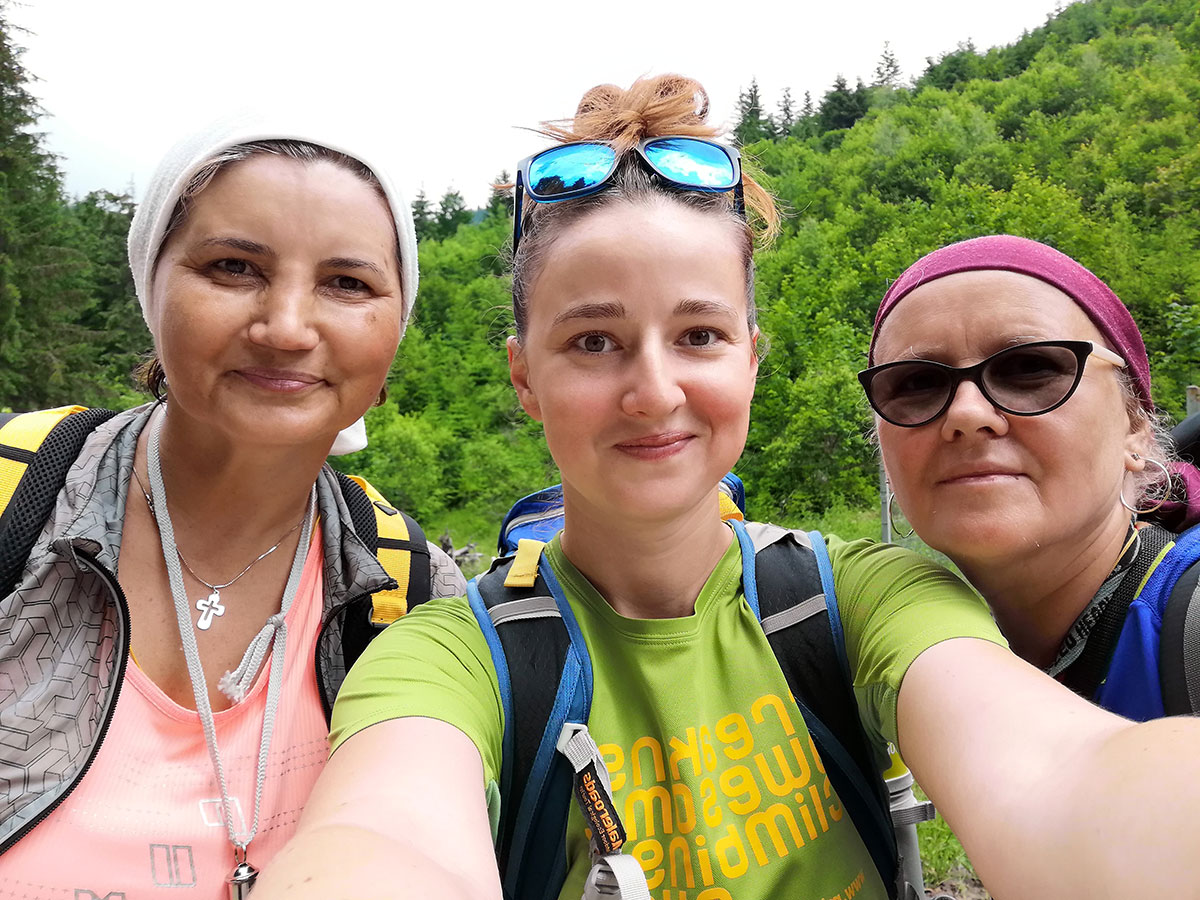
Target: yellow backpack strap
(729, 509)
(20, 436)
(399, 538)
(524, 569)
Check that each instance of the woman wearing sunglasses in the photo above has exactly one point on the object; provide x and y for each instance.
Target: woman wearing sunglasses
(1016, 424)
(635, 347)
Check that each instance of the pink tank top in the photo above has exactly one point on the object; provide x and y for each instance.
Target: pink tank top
(145, 822)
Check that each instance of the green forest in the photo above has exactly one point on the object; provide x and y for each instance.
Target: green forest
(1084, 134)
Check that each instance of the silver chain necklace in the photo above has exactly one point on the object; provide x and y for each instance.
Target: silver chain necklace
(272, 639)
(210, 606)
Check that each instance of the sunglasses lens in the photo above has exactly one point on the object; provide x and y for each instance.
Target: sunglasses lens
(910, 393)
(570, 170)
(694, 163)
(1031, 379)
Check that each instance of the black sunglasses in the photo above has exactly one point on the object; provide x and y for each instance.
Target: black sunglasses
(1025, 380)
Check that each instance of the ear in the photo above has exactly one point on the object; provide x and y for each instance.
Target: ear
(518, 374)
(1139, 441)
(755, 336)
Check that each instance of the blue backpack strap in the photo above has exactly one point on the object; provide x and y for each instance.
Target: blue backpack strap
(545, 678)
(793, 587)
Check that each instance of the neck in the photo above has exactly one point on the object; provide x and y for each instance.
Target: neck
(1037, 596)
(221, 492)
(645, 570)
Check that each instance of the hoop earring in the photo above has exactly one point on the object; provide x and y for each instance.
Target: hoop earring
(1161, 500)
(891, 520)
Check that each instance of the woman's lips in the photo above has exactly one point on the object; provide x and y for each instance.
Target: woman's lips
(984, 477)
(284, 381)
(656, 446)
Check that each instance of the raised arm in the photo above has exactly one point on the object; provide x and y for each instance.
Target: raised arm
(1050, 795)
(399, 812)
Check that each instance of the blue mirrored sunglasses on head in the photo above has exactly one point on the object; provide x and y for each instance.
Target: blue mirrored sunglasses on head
(576, 170)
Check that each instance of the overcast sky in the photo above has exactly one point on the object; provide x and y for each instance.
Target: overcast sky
(121, 80)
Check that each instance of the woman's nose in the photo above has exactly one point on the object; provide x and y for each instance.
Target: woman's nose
(970, 412)
(655, 387)
(285, 317)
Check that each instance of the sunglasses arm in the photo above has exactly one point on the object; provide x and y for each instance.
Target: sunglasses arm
(518, 194)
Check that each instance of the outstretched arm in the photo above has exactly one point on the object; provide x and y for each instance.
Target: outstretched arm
(398, 812)
(1050, 795)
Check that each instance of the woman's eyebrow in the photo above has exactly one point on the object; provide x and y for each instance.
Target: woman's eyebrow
(606, 310)
(350, 262)
(241, 244)
(693, 307)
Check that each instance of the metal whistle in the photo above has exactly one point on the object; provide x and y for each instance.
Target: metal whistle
(241, 881)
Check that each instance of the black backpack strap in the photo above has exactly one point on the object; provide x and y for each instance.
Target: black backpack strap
(796, 620)
(33, 500)
(362, 511)
(530, 646)
(1087, 673)
(1179, 652)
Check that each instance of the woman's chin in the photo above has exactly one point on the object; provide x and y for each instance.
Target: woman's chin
(979, 539)
(278, 429)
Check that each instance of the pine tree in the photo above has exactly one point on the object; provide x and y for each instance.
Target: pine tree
(452, 212)
(423, 216)
(752, 125)
(840, 107)
(501, 201)
(786, 117)
(43, 280)
(805, 125)
(887, 70)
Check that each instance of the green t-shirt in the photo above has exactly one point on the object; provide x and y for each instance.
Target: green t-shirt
(713, 772)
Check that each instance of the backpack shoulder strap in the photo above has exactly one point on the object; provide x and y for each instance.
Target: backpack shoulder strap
(36, 451)
(1179, 653)
(791, 578)
(1085, 675)
(399, 543)
(545, 678)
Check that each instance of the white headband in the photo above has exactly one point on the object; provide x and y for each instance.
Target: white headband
(189, 155)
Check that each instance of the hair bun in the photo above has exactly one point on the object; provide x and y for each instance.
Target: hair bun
(651, 107)
(599, 99)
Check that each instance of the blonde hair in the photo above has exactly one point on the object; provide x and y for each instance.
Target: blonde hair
(651, 107)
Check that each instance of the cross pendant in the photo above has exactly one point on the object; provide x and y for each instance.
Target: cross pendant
(210, 606)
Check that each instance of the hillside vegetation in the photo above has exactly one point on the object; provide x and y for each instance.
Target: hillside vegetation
(1084, 134)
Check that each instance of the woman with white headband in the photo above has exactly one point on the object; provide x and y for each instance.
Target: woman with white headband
(174, 644)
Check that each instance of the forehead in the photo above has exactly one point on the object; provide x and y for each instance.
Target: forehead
(316, 191)
(970, 315)
(636, 251)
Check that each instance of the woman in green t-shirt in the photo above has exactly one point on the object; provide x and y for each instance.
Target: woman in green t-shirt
(636, 348)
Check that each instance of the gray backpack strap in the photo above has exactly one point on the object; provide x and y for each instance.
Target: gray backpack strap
(1179, 653)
